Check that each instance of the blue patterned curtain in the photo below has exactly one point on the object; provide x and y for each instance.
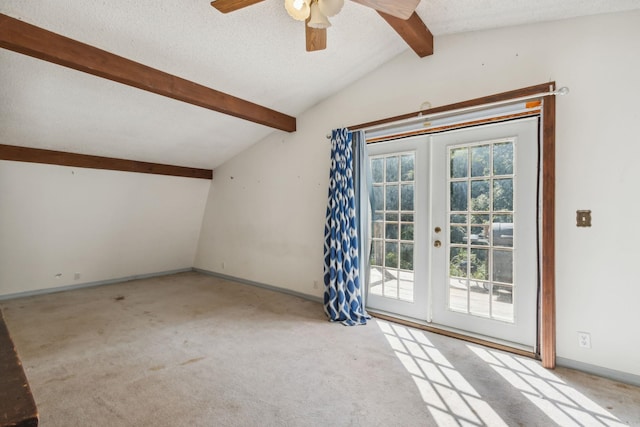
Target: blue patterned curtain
(342, 292)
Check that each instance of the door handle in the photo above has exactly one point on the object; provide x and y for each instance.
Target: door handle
(437, 243)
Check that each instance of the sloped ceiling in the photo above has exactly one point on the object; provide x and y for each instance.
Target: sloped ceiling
(257, 54)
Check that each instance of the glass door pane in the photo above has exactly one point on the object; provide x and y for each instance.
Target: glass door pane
(480, 183)
(392, 255)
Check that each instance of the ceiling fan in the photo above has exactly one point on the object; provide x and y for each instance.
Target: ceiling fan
(315, 13)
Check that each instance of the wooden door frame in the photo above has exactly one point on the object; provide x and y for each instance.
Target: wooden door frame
(544, 93)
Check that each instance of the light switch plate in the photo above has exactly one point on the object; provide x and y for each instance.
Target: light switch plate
(583, 218)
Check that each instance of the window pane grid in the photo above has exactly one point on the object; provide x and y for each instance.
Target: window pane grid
(393, 225)
(480, 229)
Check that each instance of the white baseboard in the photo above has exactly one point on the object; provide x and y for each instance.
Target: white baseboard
(260, 285)
(611, 374)
(90, 284)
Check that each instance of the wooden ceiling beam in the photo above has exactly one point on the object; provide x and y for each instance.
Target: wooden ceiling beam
(414, 32)
(36, 42)
(62, 158)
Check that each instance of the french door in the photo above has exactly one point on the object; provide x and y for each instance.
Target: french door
(454, 239)
(399, 250)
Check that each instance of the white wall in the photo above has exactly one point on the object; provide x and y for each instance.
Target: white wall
(102, 224)
(265, 212)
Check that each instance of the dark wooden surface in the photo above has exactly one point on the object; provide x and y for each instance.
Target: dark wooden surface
(51, 157)
(36, 42)
(17, 407)
(413, 31)
(548, 302)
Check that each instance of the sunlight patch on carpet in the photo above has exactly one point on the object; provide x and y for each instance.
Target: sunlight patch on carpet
(562, 403)
(451, 400)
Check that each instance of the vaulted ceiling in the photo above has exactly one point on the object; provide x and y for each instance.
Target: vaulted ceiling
(257, 54)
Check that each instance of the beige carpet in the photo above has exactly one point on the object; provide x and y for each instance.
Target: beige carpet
(195, 350)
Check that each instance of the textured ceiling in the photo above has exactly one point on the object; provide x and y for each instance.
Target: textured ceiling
(256, 53)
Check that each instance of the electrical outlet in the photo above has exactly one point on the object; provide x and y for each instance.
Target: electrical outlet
(224, 264)
(315, 284)
(76, 276)
(584, 339)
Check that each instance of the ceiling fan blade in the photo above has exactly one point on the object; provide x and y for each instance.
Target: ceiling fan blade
(316, 38)
(226, 6)
(402, 9)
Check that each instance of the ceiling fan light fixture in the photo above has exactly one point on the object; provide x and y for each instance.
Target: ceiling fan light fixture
(298, 9)
(318, 19)
(330, 8)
